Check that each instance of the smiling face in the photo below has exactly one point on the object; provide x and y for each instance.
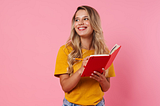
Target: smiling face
(82, 24)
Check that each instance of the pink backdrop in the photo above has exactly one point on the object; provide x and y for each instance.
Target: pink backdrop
(31, 32)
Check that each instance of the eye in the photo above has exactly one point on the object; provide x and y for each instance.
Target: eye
(86, 19)
(76, 20)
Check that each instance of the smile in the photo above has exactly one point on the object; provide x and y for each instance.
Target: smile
(82, 28)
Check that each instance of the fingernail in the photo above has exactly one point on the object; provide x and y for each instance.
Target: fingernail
(94, 71)
(102, 68)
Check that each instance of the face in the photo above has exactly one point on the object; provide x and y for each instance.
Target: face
(82, 24)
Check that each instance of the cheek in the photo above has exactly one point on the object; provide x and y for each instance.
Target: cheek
(87, 23)
(75, 27)
(75, 24)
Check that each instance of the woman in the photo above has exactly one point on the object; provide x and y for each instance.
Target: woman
(86, 39)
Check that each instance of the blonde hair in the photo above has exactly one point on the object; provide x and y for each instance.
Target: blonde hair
(75, 42)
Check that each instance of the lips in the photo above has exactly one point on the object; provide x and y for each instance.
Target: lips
(82, 28)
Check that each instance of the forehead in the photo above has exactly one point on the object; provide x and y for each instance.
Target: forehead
(81, 13)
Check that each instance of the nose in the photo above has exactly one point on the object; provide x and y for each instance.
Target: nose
(81, 22)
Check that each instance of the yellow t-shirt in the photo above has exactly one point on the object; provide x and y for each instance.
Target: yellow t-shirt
(87, 91)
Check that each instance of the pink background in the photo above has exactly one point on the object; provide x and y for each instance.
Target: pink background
(31, 32)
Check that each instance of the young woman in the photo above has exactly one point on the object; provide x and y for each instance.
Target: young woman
(86, 39)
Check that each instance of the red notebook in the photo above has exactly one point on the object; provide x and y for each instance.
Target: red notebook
(97, 62)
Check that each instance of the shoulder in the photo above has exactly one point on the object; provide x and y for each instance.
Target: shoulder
(65, 49)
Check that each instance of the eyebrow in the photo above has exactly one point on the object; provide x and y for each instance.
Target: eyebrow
(82, 16)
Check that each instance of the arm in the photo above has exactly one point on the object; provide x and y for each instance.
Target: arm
(103, 81)
(69, 82)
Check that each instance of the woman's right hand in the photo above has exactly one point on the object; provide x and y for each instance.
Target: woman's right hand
(84, 63)
(68, 83)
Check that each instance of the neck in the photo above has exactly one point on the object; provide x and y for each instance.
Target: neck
(86, 44)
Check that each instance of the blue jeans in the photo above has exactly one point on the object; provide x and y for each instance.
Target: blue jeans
(67, 103)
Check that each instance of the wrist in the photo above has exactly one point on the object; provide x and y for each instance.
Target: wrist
(80, 71)
(103, 82)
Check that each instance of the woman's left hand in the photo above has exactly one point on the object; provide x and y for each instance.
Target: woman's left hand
(98, 76)
(104, 82)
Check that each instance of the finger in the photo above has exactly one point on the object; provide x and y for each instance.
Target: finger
(96, 77)
(86, 58)
(85, 61)
(104, 71)
(93, 76)
(97, 73)
(106, 74)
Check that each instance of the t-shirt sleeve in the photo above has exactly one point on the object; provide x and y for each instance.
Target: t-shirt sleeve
(61, 62)
(110, 71)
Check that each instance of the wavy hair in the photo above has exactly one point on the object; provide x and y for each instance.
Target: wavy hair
(74, 40)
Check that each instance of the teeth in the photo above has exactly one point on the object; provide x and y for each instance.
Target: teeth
(81, 28)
